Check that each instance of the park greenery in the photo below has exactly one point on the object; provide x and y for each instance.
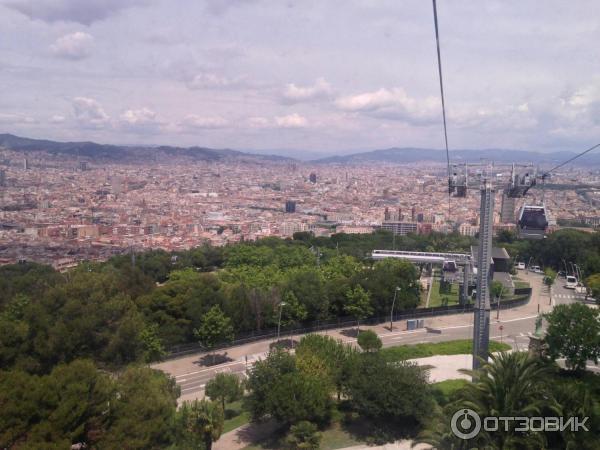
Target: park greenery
(456, 347)
(518, 384)
(573, 333)
(75, 345)
(392, 399)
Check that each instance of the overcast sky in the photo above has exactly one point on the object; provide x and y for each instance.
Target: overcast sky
(320, 75)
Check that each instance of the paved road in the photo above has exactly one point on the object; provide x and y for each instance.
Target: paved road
(513, 332)
(511, 326)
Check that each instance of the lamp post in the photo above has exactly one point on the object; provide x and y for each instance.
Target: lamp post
(498, 306)
(392, 311)
(281, 305)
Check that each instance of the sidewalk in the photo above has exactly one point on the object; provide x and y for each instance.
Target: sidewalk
(192, 367)
(259, 348)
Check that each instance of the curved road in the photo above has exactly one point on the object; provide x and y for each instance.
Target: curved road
(512, 327)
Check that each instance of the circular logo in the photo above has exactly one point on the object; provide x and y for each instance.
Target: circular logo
(465, 424)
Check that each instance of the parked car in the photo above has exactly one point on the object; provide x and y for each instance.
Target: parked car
(521, 266)
(536, 269)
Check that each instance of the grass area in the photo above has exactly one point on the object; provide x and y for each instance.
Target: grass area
(443, 391)
(458, 347)
(334, 437)
(521, 284)
(423, 298)
(337, 437)
(235, 416)
(436, 296)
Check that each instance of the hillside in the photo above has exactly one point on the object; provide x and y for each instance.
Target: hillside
(120, 153)
(408, 155)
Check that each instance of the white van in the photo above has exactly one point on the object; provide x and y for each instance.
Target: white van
(571, 282)
(521, 266)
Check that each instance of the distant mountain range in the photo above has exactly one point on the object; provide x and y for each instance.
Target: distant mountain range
(409, 155)
(123, 153)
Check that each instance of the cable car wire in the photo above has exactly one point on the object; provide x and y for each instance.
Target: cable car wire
(439, 59)
(544, 175)
(437, 41)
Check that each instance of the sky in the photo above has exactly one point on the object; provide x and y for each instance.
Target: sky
(323, 76)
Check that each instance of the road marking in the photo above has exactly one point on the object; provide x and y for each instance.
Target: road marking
(194, 388)
(454, 327)
(520, 318)
(209, 368)
(395, 336)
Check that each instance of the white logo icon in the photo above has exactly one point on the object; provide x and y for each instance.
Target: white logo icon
(465, 424)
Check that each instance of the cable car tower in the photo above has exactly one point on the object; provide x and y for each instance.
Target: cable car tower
(457, 187)
(532, 222)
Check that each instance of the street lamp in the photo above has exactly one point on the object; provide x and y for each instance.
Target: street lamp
(498, 306)
(392, 311)
(281, 305)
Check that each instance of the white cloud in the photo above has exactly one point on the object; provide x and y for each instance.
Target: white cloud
(15, 118)
(258, 122)
(219, 7)
(195, 121)
(143, 116)
(57, 118)
(73, 46)
(584, 96)
(206, 80)
(85, 12)
(291, 121)
(296, 94)
(89, 113)
(393, 104)
(142, 120)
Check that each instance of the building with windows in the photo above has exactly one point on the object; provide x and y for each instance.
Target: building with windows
(507, 211)
(400, 228)
(290, 206)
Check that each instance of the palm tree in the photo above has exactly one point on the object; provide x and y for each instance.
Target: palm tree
(574, 399)
(206, 419)
(509, 385)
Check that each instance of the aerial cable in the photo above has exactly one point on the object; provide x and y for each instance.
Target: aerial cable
(568, 160)
(439, 58)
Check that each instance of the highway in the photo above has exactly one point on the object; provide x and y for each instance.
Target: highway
(511, 326)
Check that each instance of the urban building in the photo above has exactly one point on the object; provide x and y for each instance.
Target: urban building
(290, 206)
(400, 228)
(507, 210)
(313, 177)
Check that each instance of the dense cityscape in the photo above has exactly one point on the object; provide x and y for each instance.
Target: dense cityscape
(60, 210)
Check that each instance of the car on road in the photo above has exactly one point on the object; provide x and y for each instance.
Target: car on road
(521, 266)
(536, 269)
(571, 282)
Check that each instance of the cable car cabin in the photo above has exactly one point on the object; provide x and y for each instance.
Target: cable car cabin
(449, 266)
(520, 184)
(532, 223)
(457, 185)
